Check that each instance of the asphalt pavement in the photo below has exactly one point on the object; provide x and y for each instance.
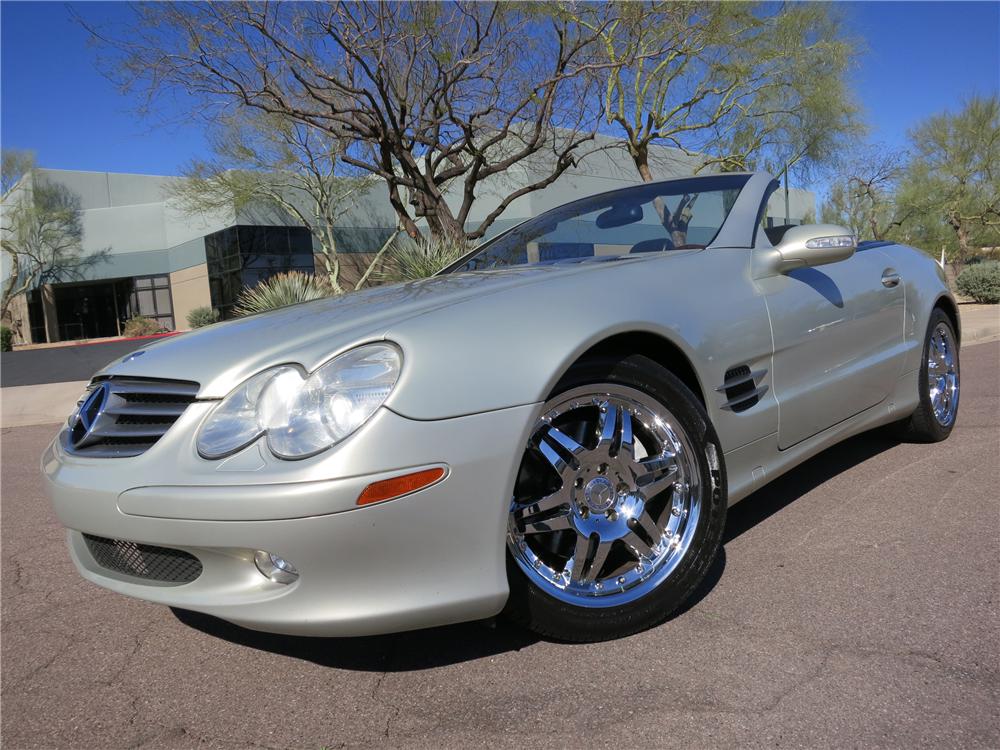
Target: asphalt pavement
(60, 364)
(855, 604)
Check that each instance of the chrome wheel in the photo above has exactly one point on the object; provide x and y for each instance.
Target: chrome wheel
(607, 499)
(942, 375)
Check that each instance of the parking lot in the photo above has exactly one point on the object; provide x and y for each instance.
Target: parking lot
(855, 603)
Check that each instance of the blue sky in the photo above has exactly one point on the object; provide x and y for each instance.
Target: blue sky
(919, 59)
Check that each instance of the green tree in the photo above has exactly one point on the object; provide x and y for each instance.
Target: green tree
(15, 164)
(952, 184)
(41, 239)
(738, 85)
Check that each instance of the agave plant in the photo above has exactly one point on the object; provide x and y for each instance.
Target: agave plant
(282, 290)
(408, 260)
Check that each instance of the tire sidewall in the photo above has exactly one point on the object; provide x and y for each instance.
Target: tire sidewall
(531, 605)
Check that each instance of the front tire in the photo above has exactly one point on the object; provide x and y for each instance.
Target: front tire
(939, 384)
(619, 503)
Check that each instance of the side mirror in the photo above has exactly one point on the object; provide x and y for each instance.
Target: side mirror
(814, 245)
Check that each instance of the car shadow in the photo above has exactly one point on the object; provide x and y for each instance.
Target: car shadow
(804, 478)
(454, 644)
(399, 652)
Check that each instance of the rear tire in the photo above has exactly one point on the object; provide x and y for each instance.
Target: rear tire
(584, 562)
(939, 384)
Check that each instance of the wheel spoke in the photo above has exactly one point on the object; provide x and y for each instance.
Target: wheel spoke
(560, 450)
(625, 439)
(607, 426)
(578, 563)
(614, 429)
(938, 345)
(543, 504)
(589, 556)
(597, 560)
(557, 522)
(638, 545)
(656, 474)
(936, 399)
(650, 527)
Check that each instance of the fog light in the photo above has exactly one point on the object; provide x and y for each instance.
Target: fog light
(276, 568)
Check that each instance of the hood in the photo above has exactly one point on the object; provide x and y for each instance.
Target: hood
(221, 356)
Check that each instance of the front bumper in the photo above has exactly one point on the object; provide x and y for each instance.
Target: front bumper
(426, 559)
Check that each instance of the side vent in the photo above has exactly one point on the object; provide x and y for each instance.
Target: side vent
(741, 388)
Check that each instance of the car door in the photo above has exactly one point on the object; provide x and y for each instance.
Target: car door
(838, 341)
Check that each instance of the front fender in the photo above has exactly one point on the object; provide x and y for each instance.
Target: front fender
(512, 348)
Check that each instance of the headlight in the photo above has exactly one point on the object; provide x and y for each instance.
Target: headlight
(303, 415)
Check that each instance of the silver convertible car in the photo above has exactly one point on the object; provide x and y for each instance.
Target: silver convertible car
(552, 428)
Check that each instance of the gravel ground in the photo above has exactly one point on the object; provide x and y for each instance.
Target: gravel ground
(855, 604)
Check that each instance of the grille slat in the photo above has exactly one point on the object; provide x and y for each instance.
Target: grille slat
(182, 389)
(146, 561)
(137, 408)
(130, 430)
(128, 415)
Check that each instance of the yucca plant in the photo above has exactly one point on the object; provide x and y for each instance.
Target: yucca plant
(408, 260)
(282, 290)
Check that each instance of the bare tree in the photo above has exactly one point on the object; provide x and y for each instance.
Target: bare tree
(863, 194)
(738, 85)
(431, 95)
(267, 160)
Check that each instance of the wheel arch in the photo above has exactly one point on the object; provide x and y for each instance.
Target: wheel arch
(658, 348)
(947, 305)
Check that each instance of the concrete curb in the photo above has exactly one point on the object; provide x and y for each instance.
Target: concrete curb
(979, 322)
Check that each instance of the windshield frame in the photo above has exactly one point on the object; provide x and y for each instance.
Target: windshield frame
(697, 184)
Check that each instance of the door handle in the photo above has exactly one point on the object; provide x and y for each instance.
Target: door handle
(890, 278)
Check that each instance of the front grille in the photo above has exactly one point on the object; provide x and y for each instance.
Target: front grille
(161, 564)
(121, 417)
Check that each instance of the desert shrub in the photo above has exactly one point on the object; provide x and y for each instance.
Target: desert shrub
(202, 316)
(6, 339)
(282, 290)
(980, 281)
(407, 260)
(140, 326)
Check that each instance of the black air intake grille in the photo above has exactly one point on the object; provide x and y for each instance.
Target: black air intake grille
(127, 416)
(144, 560)
(741, 389)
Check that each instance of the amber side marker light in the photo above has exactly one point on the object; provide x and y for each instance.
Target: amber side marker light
(390, 489)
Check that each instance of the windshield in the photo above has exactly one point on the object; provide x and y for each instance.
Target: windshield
(658, 217)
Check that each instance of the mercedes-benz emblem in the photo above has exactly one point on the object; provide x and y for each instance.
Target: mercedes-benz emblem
(89, 415)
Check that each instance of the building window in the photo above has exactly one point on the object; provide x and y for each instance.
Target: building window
(243, 256)
(150, 298)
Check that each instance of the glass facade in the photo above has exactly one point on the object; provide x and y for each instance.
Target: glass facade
(101, 309)
(244, 256)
